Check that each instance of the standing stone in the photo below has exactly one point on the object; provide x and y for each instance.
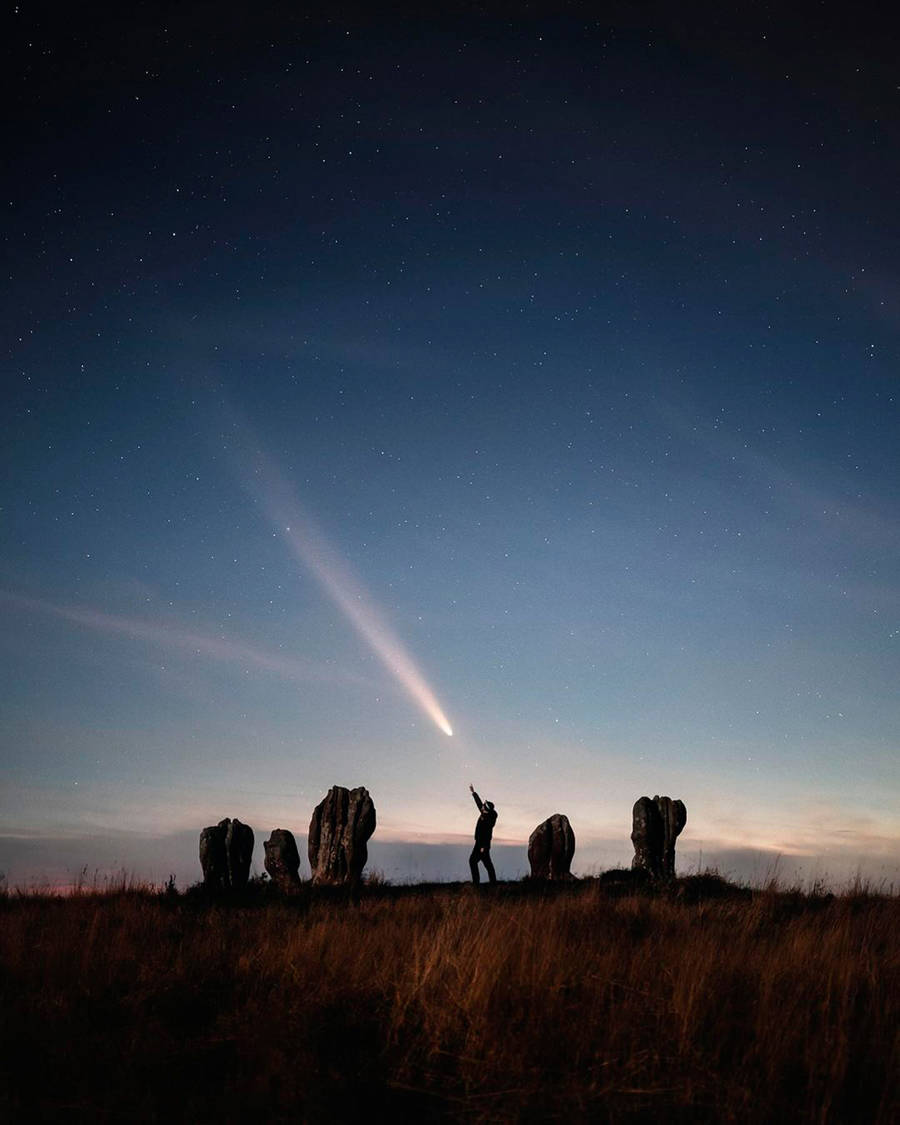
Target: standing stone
(226, 850)
(673, 815)
(646, 835)
(655, 826)
(551, 847)
(340, 826)
(283, 860)
(213, 859)
(239, 848)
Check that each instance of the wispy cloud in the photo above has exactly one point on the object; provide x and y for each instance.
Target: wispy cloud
(831, 511)
(174, 637)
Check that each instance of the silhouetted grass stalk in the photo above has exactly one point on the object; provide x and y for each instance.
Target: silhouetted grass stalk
(702, 1003)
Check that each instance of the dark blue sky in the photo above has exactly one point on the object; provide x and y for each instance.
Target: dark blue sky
(568, 349)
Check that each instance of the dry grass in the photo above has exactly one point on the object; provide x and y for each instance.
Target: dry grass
(705, 1004)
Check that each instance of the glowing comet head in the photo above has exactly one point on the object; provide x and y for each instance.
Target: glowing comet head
(446, 728)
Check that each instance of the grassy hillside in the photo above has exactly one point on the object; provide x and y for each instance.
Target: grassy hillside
(702, 1003)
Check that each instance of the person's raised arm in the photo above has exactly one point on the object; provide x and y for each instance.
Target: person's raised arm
(476, 797)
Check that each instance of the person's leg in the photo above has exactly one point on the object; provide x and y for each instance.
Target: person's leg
(473, 865)
(488, 865)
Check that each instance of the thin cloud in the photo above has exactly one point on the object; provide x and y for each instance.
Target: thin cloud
(173, 637)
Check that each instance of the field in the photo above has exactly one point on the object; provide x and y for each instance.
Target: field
(595, 1001)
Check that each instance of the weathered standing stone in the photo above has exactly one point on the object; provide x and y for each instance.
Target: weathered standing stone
(646, 835)
(340, 826)
(674, 817)
(212, 856)
(283, 859)
(551, 847)
(655, 826)
(226, 850)
(239, 848)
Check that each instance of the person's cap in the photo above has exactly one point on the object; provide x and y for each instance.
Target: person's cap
(489, 805)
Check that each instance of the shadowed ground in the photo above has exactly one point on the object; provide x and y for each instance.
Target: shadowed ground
(599, 1000)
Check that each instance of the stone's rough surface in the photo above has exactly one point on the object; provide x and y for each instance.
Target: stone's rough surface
(239, 850)
(551, 847)
(673, 815)
(655, 826)
(226, 850)
(340, 826)
(646, 835)
(283, 859)
(212, 856)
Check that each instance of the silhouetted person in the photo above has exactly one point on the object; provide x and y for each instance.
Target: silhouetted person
(484, 830)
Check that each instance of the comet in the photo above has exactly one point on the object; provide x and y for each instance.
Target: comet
(310, 547)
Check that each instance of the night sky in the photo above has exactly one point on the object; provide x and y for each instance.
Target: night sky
(536, 373)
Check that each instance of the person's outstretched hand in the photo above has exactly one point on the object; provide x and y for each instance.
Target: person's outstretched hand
(471, 787)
